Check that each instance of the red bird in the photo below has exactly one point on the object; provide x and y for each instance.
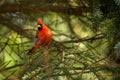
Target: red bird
(43, 36)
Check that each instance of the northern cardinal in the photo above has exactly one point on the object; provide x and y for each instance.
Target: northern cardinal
(43, 36)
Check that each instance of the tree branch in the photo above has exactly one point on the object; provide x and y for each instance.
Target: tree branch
(77, 10)
(7, 22)
(97, 37)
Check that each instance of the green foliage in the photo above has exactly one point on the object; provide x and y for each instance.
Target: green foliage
(80, 46)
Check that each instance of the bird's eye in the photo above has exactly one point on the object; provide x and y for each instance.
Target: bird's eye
(39, 26)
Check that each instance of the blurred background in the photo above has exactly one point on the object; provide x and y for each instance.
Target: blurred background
(85, 43)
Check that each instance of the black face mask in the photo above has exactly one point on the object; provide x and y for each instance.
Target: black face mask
(40, 27)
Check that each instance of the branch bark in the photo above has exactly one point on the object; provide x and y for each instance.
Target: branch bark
(64, 9)
(97, 37)
(7, 22)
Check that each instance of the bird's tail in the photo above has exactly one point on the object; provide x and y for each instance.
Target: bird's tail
(31, 50)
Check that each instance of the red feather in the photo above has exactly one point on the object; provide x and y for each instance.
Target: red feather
(43, 36)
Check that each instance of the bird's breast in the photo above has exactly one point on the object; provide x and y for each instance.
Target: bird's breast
(43, 34)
